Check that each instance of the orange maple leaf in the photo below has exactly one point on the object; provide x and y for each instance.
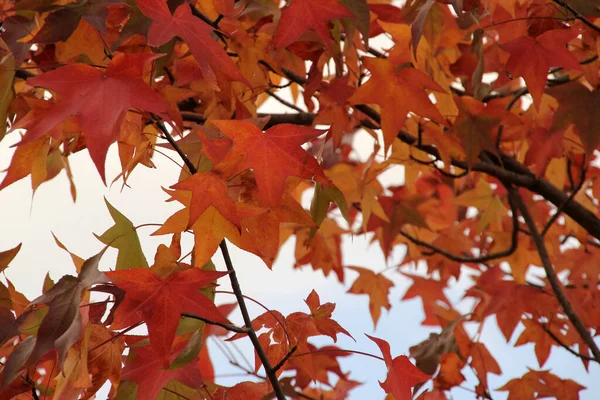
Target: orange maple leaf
(208, 190)
(376, 286)
(398, 91)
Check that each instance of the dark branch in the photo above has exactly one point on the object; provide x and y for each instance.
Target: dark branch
(577, 14)
(553, 278)
(234, 284)
(564, 345)
(229, 327)
(482, 259)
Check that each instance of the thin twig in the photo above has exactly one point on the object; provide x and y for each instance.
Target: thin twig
(482, 259)
(285, 358)
(564, 345)
(563, 205)
(229, 327)
(235, 285)
(283, 101)
(553, 278)
(577, 14)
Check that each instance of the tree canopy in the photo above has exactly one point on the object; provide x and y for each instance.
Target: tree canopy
(482, 114)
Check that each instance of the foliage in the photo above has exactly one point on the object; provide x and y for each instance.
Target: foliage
(489, 106)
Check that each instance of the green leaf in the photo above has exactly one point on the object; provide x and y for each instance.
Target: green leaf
(189, 352)
(360, 9)
(123, 237)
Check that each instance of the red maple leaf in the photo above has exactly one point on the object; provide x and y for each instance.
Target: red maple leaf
(532, 57)
(147, 371)
(273, 155)
(397, 91)
(160, 301)
(302, 15)
(100, 98)
(196, 34)
(402, 374)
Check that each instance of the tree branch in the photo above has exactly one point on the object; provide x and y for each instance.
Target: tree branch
(229, 327)
(562, 206)
(577, 14)
(564, 345)
(492, 256)
(235, 285)
(553, 278)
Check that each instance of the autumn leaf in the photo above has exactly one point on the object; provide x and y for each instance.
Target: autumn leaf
(302, 15)
(376, 286)
(123, 236)
(542, 341)
(402, 374)
(577, 105)
(197, 35)
(532, 57)
(7, 256)
(273, 155)
(61, 326)
(397, 91)
(160, 301)
(122, 82)
(208, 190)
(103, 358)
(148, 372)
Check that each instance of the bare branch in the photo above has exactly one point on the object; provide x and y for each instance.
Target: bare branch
(553, 278)
(492, 256)
(234, 284)
(577, 14)
(229, 327)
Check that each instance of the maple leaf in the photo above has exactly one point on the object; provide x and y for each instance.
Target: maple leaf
(197, 35)
(578, 105)
(475, 123)
(398, 91)
(402, 374)
(376, 286)
(208, 190)
(7, 256)
(85, 90)
(538, 384)
(531, 58)
(103, 358)
(61, 326)
(534, 333)
(483, 362)
(147, 370)
(273, 155)
(124, 237)
(159, 302)
(302, 15)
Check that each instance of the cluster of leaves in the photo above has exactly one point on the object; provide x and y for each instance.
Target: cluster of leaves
(490, 106)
